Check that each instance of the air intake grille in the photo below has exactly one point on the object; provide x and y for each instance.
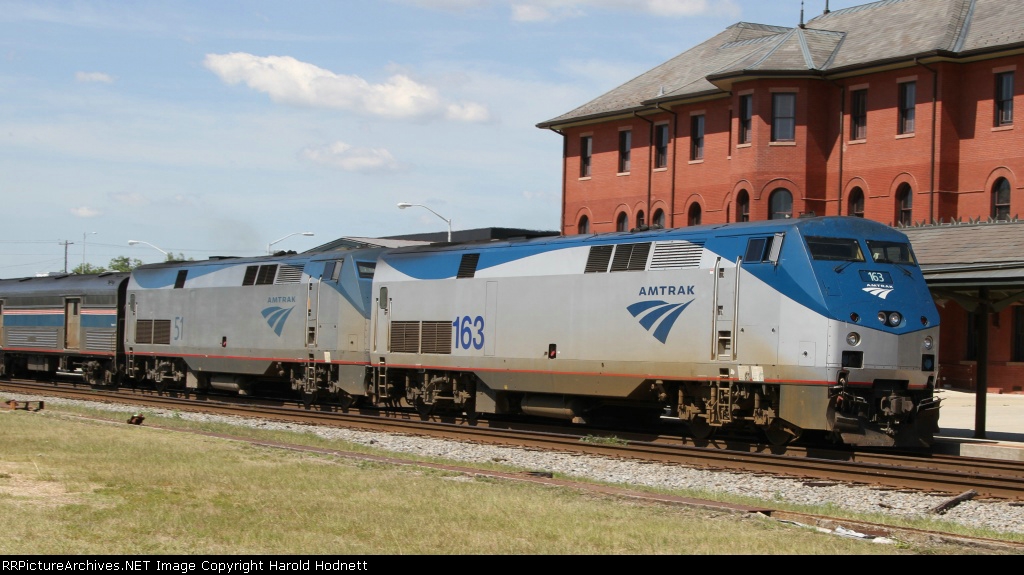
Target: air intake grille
(630, 257)
(153, 331)
(676, 255)
(289, 274)
(405, 336)
(467, 267)
(598, 259)
(437, 337)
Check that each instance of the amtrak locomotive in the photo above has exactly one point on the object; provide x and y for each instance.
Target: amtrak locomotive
(785, 327)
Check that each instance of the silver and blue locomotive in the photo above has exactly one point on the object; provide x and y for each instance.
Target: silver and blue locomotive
(820, 325)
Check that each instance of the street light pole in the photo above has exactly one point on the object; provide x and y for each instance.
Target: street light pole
(84, 234)
(403, 205)
(133, 242)
(286, 237)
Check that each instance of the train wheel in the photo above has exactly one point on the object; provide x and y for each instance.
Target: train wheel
(700, 428)
(424, 408)
(779, 433)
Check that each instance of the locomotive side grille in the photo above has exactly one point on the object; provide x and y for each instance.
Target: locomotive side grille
(162, 331)
(266, 275)
(597, 260)
(437, 337)
(405, 336)
(250, 275)
(676, 255)
(101, 340)
(31, 337)
(467, 267)
(630, 257)
(289, 274)
(144, 331)
(153, 331)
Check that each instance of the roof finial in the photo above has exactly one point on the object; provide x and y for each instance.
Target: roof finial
(826, 7)
(801, 13)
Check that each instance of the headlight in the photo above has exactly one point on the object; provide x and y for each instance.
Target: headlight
(928, 342)
(895, 318)
(853, 338)
(881, 316)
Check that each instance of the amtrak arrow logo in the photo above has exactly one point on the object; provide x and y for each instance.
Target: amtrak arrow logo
(878, 291)
(276, 316)
(658, 312)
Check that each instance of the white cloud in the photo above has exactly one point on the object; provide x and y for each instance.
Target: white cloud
(290, 81)
(94, 77)
(352, 159)
(85, 212)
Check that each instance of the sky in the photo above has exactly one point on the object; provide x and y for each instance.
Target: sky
(205, 129)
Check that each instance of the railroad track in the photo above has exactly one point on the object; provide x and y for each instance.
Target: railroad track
(952, 475)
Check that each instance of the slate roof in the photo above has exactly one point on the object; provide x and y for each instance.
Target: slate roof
(829, 44)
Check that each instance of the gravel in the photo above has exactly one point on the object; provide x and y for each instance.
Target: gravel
(1000, 516)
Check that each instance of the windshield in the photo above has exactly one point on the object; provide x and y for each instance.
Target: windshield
(891, 252)
(835, 249)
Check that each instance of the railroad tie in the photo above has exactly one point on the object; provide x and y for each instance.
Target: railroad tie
(26, 405)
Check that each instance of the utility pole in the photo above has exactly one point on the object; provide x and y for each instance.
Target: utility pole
(65, 243)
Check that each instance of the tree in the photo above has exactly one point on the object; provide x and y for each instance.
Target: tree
(124, 264)
(88, 269)
(180, 257)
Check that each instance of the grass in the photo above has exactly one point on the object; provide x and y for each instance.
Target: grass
(79, 486)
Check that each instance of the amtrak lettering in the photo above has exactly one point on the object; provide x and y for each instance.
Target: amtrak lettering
(666, 290)
(281, 299)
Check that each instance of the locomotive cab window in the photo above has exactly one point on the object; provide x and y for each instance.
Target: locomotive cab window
(891, 252)
(366, 269)
(835, 249)
(332, 270)
(758, 250)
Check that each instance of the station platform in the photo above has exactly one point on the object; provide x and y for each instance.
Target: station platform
(1003, 437)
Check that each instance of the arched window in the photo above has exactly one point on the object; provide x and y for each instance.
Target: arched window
(856, 203)
(693, 218)
(780, 204)
(743, 206)
(584, 226)
(659, 218)
(640, 219)
(622, 222)
(904, 205)
(1001, 199)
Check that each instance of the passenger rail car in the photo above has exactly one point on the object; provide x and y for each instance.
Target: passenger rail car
(820, 325)
(785, 326)
(66, 324)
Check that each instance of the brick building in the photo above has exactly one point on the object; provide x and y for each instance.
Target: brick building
(901, 111)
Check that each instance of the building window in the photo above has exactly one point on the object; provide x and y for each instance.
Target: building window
(625, 147)
(780, 204)
(693, 218)
(697, 137)
(743, 206)
(746, 115)
(661, 146)
(659, 218)
(584, 226)
(904, 205)
(640, 219)
(1001, 200)
(856, 203)
(908, 99)
(622, 222)
(586, 153)
(1004, 99)
(784, 117)
(859, 115)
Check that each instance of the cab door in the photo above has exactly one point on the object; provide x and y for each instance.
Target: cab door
(382, 321)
